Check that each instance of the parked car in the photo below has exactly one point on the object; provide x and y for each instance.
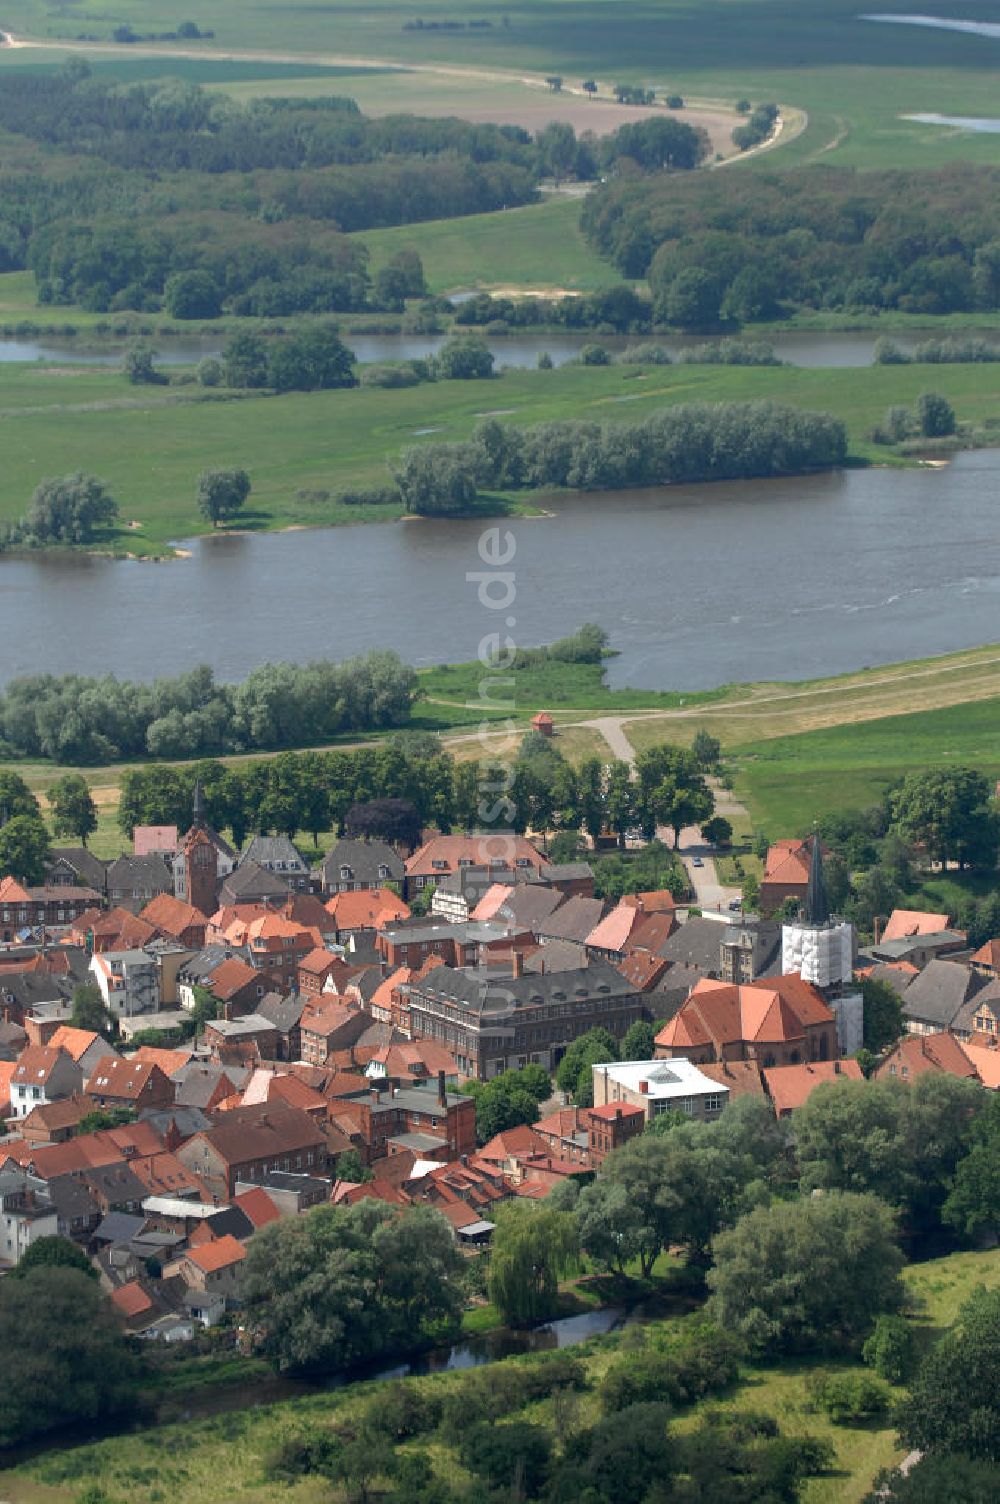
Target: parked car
(735, 905)
(696, 861)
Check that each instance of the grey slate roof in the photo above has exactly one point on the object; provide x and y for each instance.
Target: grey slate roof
(479, 995)
(89, 868)
(276, 853)
(698, 943)
(250, 882)
(530, 905)
(119, 1227)
(557, 955)
(566, 872)
(892, 977)
(364, 859)
(187, 1120)
(128, 873)
(574, 919)
(200, 966)
(284, 1013)
(937, 993)
(230, 1219)
(195, 1083)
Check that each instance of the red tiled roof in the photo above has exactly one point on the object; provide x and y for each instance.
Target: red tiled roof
(257, 1206)
(76, 1042)
(36, 1064)
(220, 1254)
(370, 909)
(169, 1061)
(113, 1076)
(655, 901)
(609, 1111)
(986, 1062)
(789, 1086)
(775, 1010)
(906, 922)
(988, 954)
(614, 929)
(150, 840)
(514, 1143)
(131, 1299)
(7, 1068)
(478, 849)
(230, 977)
(491, 901)
(787, 862)
(919, 1053)
(171, 915)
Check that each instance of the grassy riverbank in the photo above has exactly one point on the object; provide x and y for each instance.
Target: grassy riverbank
(798, 750)
(223, 1457)
(151, 443)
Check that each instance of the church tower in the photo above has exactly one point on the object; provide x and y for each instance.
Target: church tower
(203, 859)
(821, 949)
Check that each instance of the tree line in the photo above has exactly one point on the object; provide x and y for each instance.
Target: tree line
(683, 444)
(716, 249)
(408, 782)
(75, 719)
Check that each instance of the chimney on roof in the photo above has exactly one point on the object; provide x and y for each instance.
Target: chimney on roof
(876, 929)
(517, 965)
(644, 1088)
(442, 1090)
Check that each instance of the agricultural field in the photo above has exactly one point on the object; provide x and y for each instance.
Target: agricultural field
(151, 443)
(855, 79)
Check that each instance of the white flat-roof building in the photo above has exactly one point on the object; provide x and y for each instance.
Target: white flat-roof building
(659, 1086)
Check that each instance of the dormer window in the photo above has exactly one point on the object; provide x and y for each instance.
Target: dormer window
(383, 872)
(346, 874)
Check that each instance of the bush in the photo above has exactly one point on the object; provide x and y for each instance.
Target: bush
(935, 415)
(709, 1365)
(389, 376)
(374, 496)
(890, 1349)
(849, 1399)
(210, 371)
(594, 355)
(505, 1456)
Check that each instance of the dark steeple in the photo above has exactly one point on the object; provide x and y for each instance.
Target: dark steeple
(198, 807)
(817, 904)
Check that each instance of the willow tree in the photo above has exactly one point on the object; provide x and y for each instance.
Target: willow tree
(532, 1248)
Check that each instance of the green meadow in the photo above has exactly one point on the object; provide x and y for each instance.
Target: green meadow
(151, 443)
(854, 78)
(223, 1457)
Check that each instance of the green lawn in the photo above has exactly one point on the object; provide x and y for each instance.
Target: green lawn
(792, 781)
(151, 448)
(537, 247)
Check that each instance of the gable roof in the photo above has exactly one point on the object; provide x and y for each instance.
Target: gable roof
(789, 1086)
(443, 854)
(230, 977)
(169, 1061)
(371, 908)
(267, 1131)
(115, 1077)
(35, 1065)
(257, 1206)
(574, 919)
(787, 862)
(147, 840)
(613, 932)
(935, 995)
(171, 915)
(275, 851)
(906, 922)
(916, 1054)
(221, 1253)
(363, 859)
(76, 1042)
(765, 1012)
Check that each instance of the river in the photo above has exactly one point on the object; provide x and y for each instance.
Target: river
(798, 347)
(697, 585)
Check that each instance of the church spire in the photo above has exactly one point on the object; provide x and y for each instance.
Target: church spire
(817, 903)
(198, 805)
